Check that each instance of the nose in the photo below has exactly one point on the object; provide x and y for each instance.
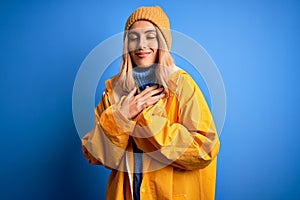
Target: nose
(142, 43)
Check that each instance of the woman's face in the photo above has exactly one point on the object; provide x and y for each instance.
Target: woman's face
(143, 43)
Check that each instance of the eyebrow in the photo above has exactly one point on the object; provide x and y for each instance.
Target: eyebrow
(147, 31)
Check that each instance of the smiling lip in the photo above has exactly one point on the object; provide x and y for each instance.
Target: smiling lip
(142, 54)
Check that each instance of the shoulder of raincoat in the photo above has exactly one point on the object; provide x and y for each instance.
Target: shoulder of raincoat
(178, 138)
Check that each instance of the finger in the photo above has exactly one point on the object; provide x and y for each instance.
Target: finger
(152, 93)
(145, 91)
(158, 91)
(153, 100)
(149, 101)
(148, 89)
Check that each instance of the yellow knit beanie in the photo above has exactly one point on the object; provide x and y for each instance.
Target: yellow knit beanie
(155, 15)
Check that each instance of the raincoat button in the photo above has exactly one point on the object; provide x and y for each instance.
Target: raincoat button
(142, 190)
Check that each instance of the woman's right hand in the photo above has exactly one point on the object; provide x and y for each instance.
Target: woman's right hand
(133, 105)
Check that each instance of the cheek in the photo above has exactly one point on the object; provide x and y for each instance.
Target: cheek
(155, 53)
(131, 46)
(153, 44)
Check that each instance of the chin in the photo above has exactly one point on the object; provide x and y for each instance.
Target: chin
(145, 63)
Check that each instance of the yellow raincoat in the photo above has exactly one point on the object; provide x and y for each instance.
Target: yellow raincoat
(178, 138)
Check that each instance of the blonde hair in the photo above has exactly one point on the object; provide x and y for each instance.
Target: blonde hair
(125, 80)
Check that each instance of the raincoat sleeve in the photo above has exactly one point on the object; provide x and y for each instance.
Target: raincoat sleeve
(189, 143)
(106, 143)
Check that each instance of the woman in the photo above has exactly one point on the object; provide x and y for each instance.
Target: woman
(153, 128)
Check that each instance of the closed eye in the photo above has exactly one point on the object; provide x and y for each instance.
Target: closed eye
(133, 36)
(151, 37)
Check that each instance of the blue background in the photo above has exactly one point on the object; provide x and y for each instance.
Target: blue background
(255, 45)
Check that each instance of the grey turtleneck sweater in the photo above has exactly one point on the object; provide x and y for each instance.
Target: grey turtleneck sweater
(144, 76)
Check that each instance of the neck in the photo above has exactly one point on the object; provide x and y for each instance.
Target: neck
(144, 76)
(144, 68)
